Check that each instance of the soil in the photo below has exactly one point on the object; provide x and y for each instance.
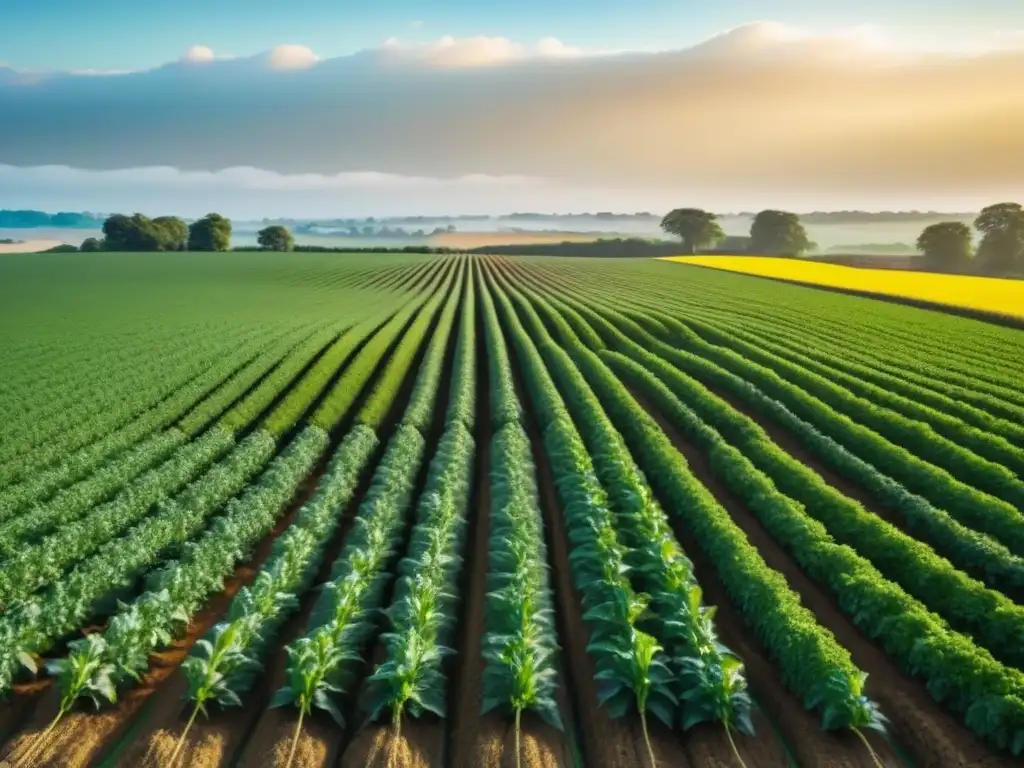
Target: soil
(82, 736)
(420, 746)
(932, 735)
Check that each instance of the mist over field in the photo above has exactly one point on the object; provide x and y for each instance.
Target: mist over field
(760, 116)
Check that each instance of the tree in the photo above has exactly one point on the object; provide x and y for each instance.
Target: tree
(778, 233)
(90, 245)
(210, 233)
(276, 238)
(172, 233)
(696, 228)
(946, 246)
(1002, 237)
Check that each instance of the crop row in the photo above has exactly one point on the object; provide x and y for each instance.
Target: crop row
(968, 453)
(994, 621)
(960, 674)
(118, 410)
(965, 504)
(813, 665)
(978, 409)
(111, 477)
(709, 683)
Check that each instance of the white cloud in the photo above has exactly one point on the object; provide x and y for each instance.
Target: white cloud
(286, 57)
(479, 51)
(198, 54)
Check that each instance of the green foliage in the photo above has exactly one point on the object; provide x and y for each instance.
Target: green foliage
(946, 246)
(708, 679)
(257, 400)
(966, 504)
(322, 663)
(360, 370)
(91, 245)
(75, 536)
(696, 228)
(778, 233)
(179, 588)
(505, 408)
(275, 238)
(227, 661)
(424, 611)
(210, 233)
(399, 363)
(520, 646)
(1002, 237)
(462, 393)
(140, 233)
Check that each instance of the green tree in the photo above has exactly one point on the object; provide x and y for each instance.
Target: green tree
(1002, 237)
(946, 246)
(130, 233)
(91, 245)
(210, 233)
(172, 233)
(275, 238)
(696, 228)
(778, 233)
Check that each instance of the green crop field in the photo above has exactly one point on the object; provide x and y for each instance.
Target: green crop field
(404, 510)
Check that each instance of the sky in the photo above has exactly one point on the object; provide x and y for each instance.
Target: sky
(346, 107)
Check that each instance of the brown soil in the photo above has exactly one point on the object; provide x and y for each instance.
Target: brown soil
(81, 736)
(208, 741)
(271, 743)
(607, 742)
(420, 746)
(934, 736)
(19, 707)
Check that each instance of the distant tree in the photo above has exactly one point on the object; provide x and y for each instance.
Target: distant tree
(1002, 238)
(696, 228)
(130, 233)
(210, 233)
(172, 233)
(276, 238)
(62, 248)
(946, 246)
(91, 245)
(778, 233)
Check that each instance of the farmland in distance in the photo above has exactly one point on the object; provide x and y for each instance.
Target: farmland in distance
(407, 510)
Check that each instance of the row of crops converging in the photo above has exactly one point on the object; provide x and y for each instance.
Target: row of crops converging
(483, 511)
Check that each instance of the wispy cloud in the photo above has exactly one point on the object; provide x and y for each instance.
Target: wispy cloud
(760, 112)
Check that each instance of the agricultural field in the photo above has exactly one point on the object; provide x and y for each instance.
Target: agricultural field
(983, 295)
(444, 511)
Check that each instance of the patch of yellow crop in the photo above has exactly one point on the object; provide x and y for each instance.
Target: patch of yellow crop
(988, 294)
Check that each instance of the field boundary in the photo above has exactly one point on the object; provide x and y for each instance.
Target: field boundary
(993, 318)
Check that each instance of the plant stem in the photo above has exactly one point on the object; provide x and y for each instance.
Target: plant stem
(519, 758)
(184, 735)
(295, 739)
(647, 739)
(40, 741)
(735, 751)
(871, 752)
(396, 735)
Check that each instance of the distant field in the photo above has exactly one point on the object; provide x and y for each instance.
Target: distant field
(985, 294)
(459, 499)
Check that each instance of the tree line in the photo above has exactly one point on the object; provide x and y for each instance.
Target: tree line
(772, 233)
(946, 246)
(139, 233)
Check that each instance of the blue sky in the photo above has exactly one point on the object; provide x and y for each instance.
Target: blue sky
(128, 34)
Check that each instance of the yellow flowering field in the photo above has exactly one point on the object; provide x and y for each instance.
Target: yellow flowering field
(988, 294)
